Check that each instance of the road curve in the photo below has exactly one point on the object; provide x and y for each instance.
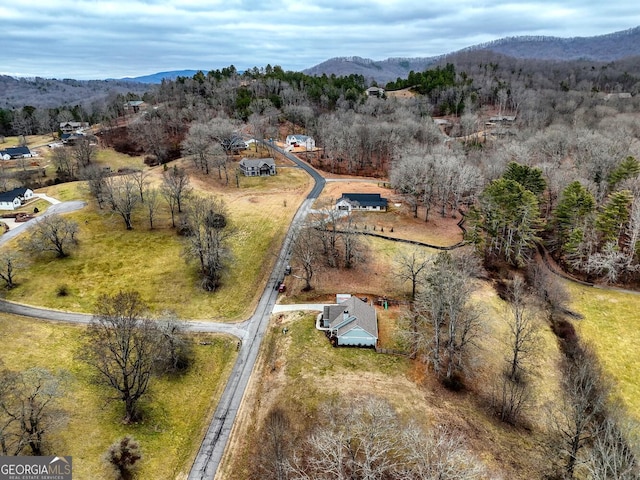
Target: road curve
(62, 207)
(215, 441)
(250, 332)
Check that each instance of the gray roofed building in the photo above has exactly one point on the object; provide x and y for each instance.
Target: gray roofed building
(351, 323)
(255, 167)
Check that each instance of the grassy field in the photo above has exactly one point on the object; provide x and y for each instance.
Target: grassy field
(176, 411)
(300, 370)
(109, 258)
(612, 324)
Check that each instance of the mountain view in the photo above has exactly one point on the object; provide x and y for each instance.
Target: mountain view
(412, 268)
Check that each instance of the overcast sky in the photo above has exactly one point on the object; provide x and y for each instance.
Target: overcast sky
(87, 39)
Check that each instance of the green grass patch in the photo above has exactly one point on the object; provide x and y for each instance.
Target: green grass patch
(177, 409)
(612, 324)
(109, 258)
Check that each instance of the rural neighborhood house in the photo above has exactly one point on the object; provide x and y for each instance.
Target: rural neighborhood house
(12, 153)
(15, 198)
(257, 167)
(350, 323)
(362, 201)
(304, 141)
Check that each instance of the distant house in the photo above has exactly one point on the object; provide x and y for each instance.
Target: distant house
(257, 167)
(71, 138)
(234, 144)
(12, 153)
(15, 198)
(71, 127)
(301, 141)
(611, 96)
(350, 323)
(133, 106)
(503, 119)
(374, 92)
(372, 202)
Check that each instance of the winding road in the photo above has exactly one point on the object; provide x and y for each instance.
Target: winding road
(250, 332)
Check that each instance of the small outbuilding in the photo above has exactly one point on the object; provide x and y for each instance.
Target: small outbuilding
(350, 323)
(372, 202)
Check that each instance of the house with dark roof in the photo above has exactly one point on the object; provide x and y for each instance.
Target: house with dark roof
(257, 167)
(12, 153)
(350, 323)
(71, 127)
(372, 202)
(15, 198)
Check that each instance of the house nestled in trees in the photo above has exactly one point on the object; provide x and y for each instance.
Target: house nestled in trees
(350, 323)
(257, 167)
(304, 141)
(372, 202)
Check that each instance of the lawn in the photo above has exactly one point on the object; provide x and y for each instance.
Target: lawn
(172, 428)
(299, 370)
(110, 258)
(612, 324)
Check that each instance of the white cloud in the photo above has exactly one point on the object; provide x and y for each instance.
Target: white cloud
(97, 39)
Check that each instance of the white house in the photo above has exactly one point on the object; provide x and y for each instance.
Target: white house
(374, 92)
(304, 141)
(16, 152)
(15, 198)
(371, 202)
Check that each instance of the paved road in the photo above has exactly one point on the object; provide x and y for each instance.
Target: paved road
(215, 441)
(56, 207)
(250, 332)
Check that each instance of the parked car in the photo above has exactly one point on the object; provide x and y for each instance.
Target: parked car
(281, 288)
(287, 270)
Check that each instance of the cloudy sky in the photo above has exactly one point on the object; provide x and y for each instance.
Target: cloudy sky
(87, 39)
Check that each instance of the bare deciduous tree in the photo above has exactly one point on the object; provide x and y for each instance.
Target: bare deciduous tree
(411, 266)
(175, 189)
(84, 151)
(578, 415)
(208, 232)
(53, 233)
(444, 324)
(151, 204)
(28, 409)
(122, 345)
(305, 252)
(9, 262)
(121, 195)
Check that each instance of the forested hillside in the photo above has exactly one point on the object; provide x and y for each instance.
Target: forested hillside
(539, 157)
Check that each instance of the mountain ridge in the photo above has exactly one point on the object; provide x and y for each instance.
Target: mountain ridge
(601, 48)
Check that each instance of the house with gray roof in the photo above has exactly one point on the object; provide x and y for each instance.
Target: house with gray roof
(257, 167)
(350, 323)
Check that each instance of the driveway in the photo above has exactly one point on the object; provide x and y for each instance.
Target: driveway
(15, 228)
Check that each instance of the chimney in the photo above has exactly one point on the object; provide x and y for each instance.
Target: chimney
(345, 315)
